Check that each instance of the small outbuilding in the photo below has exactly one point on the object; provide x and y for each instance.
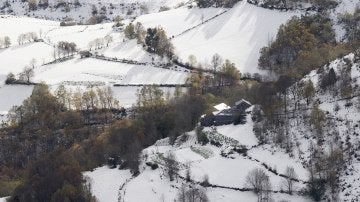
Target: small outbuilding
(85, 54)
(38, 40)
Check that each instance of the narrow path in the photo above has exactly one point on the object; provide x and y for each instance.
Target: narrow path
(133, 62)
(263, 164)
(198, 25)
(122, 190)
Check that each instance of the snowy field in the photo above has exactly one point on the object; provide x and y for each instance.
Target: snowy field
(82, 35)
(176, 21)
(13, 26)
(106, 182)
(130, 49)
(15, 58)
(94, 70)
(237, 35)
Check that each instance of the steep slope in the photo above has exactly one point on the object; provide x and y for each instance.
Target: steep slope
(237, 35)
(13, 26)
(15, 58)
(337, 140)
(225, 168)
(133, 67)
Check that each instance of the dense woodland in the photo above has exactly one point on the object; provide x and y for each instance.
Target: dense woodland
(51, 138)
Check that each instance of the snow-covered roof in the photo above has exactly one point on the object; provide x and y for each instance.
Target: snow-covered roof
(242, 101)
(221, 106)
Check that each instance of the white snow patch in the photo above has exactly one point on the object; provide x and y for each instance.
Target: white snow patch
(106, 182)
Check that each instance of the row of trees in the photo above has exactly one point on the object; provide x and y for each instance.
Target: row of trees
(91, 98)
(152, 118)
(100, 42)
(216, 3)
(5, 42)
(66, 48)
(24, 77)
(136, 31)
(224, 75)
(259, 182)
(295, 4)
(191, 194)
(27, 38)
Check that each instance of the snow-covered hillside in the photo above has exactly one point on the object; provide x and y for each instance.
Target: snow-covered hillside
(340, 125)
(13, 26)
(225, 168)
(237, 34)
(125, 66)
(78, 72)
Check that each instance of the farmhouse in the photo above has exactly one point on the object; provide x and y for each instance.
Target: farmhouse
(226, 115)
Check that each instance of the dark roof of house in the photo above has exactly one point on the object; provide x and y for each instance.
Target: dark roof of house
(243, 104)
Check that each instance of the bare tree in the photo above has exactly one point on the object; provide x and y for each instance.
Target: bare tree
(99, 42)
(290, 180)
(171, 165)
(27, 74)
(196, 195)
(61, 94)
(192, 60)
(33, 63)
(216, 62)
(7, 42)
(108, 39)
(259, 181)
(191, 194)
(181, 196)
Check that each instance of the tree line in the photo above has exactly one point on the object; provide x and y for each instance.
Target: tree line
(60, 128)
(216, 3)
